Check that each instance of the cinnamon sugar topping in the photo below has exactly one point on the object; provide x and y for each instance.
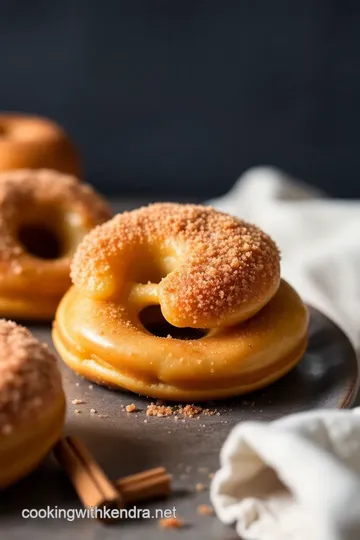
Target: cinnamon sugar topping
(221, 263)
(26, 188)
(28, 375)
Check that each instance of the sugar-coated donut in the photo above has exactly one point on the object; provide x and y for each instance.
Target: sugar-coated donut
(32, 142)
(43, 217)
(206, 268)
(206, 271)
(32, 402)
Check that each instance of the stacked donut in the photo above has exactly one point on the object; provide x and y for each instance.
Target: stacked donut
(143, 275)
(179, 302)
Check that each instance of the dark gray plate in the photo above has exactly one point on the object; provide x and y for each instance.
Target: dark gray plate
(126, 443)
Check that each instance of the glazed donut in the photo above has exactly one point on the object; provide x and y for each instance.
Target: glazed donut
(32, 402)
(31, 142)
(43, 217)
(185, 266)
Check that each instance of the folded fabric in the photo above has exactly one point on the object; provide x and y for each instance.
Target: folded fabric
(319, 239)
(297, 478)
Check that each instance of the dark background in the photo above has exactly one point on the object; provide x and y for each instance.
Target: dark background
(180, 97)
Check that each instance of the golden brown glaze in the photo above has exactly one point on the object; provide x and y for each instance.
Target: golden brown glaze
(204, 270)
(106, 343)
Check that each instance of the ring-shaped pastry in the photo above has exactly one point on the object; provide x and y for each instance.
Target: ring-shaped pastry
(32, 402)
(206, 271)
(43, 217)
(32, 142)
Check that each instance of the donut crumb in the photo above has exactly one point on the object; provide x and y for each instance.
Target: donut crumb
(205, 510)
(130, 408)
(171, 523)
(190, 410)
(158, 410)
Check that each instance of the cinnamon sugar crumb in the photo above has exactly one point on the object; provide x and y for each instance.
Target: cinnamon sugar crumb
(211, 412)
(76, 411)
(78, 402)
(130, 408)
(200, 487)
(171, 523)
(158, 410)
(190, 410)
(93, 411)
(205, 510)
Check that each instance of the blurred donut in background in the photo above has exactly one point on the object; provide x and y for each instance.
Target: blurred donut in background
(33, 142)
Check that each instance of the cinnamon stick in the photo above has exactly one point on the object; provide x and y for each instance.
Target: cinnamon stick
(96, 490)
(89, 480)
(150, 484)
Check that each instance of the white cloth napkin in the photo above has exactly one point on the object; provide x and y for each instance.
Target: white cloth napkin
(298, 478)
(319, 239)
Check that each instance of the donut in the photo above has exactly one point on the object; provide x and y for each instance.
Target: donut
(43, 217)
(180, 302)
(32, 402)
(32, 142)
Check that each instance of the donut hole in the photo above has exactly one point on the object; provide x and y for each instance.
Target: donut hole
(40, 241)
(154, 322)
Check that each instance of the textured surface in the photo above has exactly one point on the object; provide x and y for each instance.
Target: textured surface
(223, 265)
(29, 378)
(123, 443)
